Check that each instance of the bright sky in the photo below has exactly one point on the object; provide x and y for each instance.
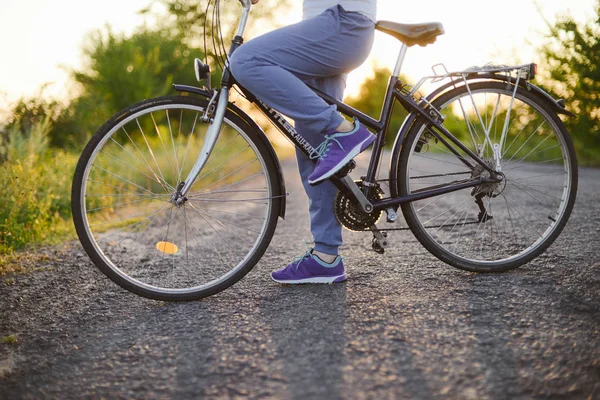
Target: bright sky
(41, 38)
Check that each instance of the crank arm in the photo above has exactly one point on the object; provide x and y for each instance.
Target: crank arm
(364, 203)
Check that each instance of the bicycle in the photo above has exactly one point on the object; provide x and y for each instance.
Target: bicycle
(483, 170)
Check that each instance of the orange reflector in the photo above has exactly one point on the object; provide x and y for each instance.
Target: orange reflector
(167, 247)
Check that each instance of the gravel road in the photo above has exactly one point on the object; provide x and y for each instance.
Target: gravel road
(404, 326)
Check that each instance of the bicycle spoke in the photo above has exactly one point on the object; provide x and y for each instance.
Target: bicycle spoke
(527, 141)
(162, 144)
(133, 226)
(176, 172)
(116, 205)
(536, 163)
(522, 187)
(442, 161)
(230, 174)
(184, 249)
(150, 149)
(221, 220)
(158, 178)
(152, 178)
(233, 248)
(123, 179)
(514, 216)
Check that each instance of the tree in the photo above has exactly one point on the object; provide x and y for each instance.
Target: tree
(210, 25)
(571, 57)
(120, 70)
(24, 116)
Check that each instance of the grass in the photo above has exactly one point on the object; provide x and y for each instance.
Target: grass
(34, 201)
(10, 339)
(36, 180)
(18, 262)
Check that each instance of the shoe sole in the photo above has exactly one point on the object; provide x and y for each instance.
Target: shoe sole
(318, 279)
(351, 154)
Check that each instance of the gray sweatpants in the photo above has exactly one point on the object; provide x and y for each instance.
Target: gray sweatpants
(275, 67)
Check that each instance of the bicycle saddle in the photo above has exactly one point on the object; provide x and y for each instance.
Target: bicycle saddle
(411, 34)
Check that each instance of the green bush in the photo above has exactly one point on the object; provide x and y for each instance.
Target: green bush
(35, 181)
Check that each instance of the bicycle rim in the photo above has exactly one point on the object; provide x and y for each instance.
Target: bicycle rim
(160, 249)
(491, 227)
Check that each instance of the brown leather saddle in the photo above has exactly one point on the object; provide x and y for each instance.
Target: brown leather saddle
(411, 34)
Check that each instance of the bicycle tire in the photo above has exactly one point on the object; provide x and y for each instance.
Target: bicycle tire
(130, 229)
(536, 197)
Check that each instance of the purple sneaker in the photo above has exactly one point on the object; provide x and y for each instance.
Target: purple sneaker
(338, 149)
(311, 269)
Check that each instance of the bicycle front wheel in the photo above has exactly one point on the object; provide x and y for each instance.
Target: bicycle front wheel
(128, 223)
(490, 227)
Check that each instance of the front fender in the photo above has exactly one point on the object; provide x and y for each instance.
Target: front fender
(261, 134)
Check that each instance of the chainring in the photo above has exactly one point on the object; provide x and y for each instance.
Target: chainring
(351, 216)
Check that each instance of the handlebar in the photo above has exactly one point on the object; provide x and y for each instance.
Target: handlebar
(246, 4)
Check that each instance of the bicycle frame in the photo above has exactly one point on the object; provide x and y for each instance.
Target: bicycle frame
(394, 94)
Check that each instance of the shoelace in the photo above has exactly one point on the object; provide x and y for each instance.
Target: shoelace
(308, 253)
(321, 150)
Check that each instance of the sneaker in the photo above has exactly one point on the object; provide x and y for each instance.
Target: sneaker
(311, 269)
(337, 150)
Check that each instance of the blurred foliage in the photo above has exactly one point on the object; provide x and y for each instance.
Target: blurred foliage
(26, 114)
(41, 139)
(571, 70)
(120, 70)
(35, 181)
(190, 20)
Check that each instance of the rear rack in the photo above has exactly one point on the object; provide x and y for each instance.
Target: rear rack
(524, 72)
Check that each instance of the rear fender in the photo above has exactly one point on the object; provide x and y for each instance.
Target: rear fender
(395, 157)
(558, 105)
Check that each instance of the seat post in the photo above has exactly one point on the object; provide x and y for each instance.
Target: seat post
(400, 60)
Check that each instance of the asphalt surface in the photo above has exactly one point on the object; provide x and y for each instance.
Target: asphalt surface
(403, 326)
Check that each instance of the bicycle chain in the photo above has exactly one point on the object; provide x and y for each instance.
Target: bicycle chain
(427, 227)
(434, 176)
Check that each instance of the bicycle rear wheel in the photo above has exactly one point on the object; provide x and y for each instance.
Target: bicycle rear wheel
(133, 232)
(491, 227)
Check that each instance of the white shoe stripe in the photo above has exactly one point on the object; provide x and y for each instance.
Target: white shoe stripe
(319, 279)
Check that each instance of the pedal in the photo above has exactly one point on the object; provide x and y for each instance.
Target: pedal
(346, 169)
(377, 247)
(380, 241)
(391, 215)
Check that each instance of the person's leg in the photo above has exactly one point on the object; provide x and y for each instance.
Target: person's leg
(274, 66)
(324, 226)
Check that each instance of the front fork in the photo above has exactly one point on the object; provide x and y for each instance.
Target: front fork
(212, 134)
